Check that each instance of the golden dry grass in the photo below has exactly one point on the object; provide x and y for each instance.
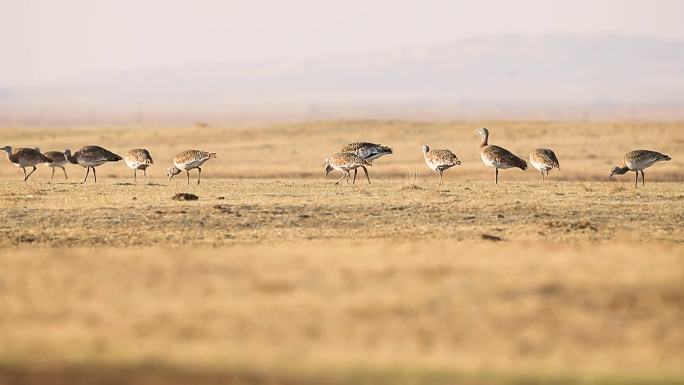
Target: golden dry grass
(338, 313)
(271, 211)
(277, 276)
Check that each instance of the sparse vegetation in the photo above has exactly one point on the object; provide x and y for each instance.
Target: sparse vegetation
(281, 277)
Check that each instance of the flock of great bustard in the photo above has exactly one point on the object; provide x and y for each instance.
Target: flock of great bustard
(359, 155)
(350, 158)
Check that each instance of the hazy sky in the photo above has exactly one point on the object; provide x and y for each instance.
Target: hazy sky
(44, 41)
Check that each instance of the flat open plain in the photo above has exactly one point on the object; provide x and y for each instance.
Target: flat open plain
(276, 276)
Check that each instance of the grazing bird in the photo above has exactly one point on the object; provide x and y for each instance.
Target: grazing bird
(638, 160)
(497, 157)
(91, 157)
(138, 159)
(25, 157)
(544, 159)
(439, 160)
(344, 162)
(188, 160)
(367, 151)
(58, 160)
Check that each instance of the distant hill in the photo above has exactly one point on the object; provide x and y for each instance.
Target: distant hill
(484, 71)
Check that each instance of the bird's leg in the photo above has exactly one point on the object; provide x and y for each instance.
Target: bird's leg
(94, 175)
(348, 176)
(636, 180)
(53, 173)
(542, 177)
(86, 177)
(199, 174)
(366, 171)
(496, 176)
(440, 176)
(32, 171)
(188, 172)
(65, 175)
(135, 175)
(24, 173)
(643, 178)
(145, 176)
(340, 180)
(354, 179)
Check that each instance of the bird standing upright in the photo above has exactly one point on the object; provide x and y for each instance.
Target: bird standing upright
(497, 157)
(138, 159)
(544, 160)
(439, 160)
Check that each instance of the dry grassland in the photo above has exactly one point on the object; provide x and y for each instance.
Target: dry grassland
(422, 313)
(232, 212)
(276, 276)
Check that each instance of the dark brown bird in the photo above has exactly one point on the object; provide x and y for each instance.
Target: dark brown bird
(91, 157)
(25, 157)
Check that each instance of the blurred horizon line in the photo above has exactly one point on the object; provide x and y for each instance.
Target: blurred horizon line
(219, 114)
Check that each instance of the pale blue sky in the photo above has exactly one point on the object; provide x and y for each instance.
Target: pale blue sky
(44, 41)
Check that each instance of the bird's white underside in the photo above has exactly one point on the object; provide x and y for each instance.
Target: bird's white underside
(640, 165)
(492, 163)
(540, 166)
(191, 164)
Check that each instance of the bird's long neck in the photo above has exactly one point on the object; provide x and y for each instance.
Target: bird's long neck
(8, 151)
(485, 138)
(71, 158)
(622, 170)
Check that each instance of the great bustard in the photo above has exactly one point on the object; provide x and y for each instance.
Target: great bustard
(439, 160)
(638, 160)
(25, 157)
(188, 160)
(138, 159)
(91, 157)
(345, 162)
(58, 160)
(366, 150)
(497, 157)
(544, 159)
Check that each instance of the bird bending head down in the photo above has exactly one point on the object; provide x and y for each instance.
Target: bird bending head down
(328, 167)
(618, 171)
(172, 171)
